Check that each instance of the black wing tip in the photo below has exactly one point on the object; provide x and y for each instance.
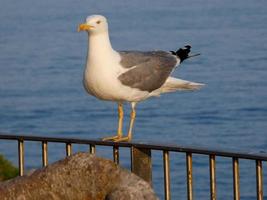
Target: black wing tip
(183, 53)
(187, 46)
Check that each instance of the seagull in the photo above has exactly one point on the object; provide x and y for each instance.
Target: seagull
(128, 76)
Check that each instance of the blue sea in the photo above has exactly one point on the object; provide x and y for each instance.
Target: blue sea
(42, 59)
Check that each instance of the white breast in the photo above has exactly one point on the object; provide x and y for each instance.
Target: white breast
(101, 80)
(102, 71)
(100, 77)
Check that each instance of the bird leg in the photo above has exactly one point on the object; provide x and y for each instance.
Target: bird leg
(129, 136)
(120, 120)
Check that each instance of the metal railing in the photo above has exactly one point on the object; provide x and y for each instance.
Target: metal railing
(141, 163)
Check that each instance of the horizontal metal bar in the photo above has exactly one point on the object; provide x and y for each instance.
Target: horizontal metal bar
(152, 146)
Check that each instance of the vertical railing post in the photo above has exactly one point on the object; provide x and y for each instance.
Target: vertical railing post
(236, 187)
(92, 149)
(68, 149)
(141, 163)
(21, 157)
(189, 167)
(259, 180)
(167, 181)
(116, 156)
(212, 177)
(44, 153)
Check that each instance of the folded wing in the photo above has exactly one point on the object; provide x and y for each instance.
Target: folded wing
(148, 71)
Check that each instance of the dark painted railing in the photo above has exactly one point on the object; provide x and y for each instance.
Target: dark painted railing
(141, 160)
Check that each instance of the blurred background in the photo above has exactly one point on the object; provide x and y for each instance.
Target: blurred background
(42, 59)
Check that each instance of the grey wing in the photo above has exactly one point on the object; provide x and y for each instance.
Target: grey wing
(149, 69)
(132, 58)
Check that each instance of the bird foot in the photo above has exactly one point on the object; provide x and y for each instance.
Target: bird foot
(123, 139)
(112, 138)
(117, 139)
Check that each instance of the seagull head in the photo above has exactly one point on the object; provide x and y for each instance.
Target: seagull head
(94, 24)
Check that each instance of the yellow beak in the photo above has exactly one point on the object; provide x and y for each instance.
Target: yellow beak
(84, 27)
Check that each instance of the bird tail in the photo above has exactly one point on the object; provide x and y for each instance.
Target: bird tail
(183, 53)
(173, 84)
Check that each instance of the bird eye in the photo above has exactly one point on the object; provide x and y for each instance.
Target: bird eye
(98, 22)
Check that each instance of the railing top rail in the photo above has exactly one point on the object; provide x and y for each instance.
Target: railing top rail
(138, 144)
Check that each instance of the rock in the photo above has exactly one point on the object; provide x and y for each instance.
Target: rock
(82, 176)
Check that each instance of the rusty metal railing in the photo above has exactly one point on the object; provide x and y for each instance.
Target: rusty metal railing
(141, 163)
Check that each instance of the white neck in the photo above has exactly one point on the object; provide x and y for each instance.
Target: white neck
(99, 44)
